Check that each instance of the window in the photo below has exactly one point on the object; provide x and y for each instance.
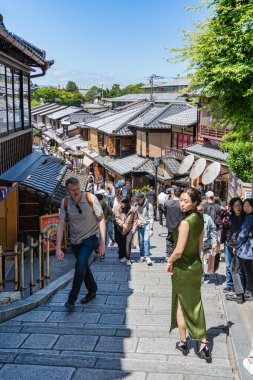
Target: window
(26, 102)
(3, 105)
(17, 101)
(183, 140)
(10, 100)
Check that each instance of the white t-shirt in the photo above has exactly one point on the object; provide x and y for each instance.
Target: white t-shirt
(162, 197)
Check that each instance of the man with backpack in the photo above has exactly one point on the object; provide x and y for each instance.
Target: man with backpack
(126, 190)
(86, 221)
(210, 208)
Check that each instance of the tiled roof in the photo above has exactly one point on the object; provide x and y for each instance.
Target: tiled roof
(38, 109)
(73, 142)
(113, 123)
(203, 151)
(125, 165)
(171, 164)
(60, 191)
(46, 177)
(23, 168)
(162, 97)
(185, 118)
(148, 167)
(82, 116)
(52, 110)
(33, 55)
(52, 135)
(65, 112)
(153, 116)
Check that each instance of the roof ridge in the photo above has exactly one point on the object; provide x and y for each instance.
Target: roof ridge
(163, 109)
(150, 105)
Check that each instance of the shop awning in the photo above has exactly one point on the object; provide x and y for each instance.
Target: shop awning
(87, 161)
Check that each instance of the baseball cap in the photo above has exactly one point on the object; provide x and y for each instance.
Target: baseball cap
(139, 196)
(209, 194)
(102, 192)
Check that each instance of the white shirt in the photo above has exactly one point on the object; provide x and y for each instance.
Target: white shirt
(162, 197)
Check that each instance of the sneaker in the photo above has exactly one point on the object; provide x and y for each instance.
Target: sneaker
(141, 259)
(148, 261)
(228, 290)
(248, 366)
(248, 296)
(102, 257)
(128, 263)
(70, 304)
(112, 243)
(123, 260)
(235, 297)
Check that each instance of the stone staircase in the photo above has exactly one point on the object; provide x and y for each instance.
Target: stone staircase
(123, 333)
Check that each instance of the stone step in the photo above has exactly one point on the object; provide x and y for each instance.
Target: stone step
(188, 365)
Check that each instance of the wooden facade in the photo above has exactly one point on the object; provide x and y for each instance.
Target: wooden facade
(152, 143)
(9, 220)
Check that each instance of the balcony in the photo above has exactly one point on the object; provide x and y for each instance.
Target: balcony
(174, 153)
(212, 133)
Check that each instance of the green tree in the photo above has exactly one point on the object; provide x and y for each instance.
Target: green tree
(71, 87)
(70, 98)
(93, 93)
(220, 57)
(49, 94)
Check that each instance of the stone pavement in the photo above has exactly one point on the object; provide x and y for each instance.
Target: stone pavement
(123, 333)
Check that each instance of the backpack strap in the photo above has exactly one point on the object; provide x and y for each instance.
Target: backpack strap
(65, 204)
(89, 199)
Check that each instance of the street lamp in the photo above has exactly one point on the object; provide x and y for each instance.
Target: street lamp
(78, 159)
(156, 165)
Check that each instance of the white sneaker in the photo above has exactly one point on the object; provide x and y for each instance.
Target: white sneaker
(148, 261)
(128, 263)
(248, 366)
(123, 260)
(141, 259)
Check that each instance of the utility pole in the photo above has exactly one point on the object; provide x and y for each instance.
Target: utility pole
(151, 81)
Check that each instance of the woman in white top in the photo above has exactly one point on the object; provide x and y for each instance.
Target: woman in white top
(162, 197)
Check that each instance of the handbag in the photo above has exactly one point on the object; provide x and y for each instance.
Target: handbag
(213, 262)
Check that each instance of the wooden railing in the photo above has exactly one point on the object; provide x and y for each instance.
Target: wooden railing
(18, 255)
(173, 153)
(213, 133)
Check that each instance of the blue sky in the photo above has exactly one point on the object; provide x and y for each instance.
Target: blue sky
(102, 41)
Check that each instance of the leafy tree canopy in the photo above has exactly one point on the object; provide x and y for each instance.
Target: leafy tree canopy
(71, 87)
(220, 57)
(53, 95)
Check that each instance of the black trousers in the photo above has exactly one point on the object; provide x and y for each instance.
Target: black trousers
(161, 213)
(124, 243)
(236, 265)
(169, 244)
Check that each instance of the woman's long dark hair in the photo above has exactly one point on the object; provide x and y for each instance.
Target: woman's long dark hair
(232, 202)
(194, 194)
(126, 201)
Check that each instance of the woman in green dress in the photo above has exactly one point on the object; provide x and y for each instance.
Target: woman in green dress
(186, 269)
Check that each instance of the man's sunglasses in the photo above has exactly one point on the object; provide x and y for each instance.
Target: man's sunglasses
(79, 209)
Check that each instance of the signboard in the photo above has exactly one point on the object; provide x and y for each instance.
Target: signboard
(48, 224)
(247, 194)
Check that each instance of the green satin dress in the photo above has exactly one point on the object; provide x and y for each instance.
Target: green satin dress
(186, 280)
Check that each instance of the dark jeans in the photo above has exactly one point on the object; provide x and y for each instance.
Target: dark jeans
(161, 213)
(228, 251)
(124, 243)
(82, 268)
(236, 265)
(169, 244)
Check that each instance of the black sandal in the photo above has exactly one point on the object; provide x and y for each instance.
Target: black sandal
(205, 353)
(182, 346)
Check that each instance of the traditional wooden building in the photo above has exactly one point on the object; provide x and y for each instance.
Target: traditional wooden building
(19, 60)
